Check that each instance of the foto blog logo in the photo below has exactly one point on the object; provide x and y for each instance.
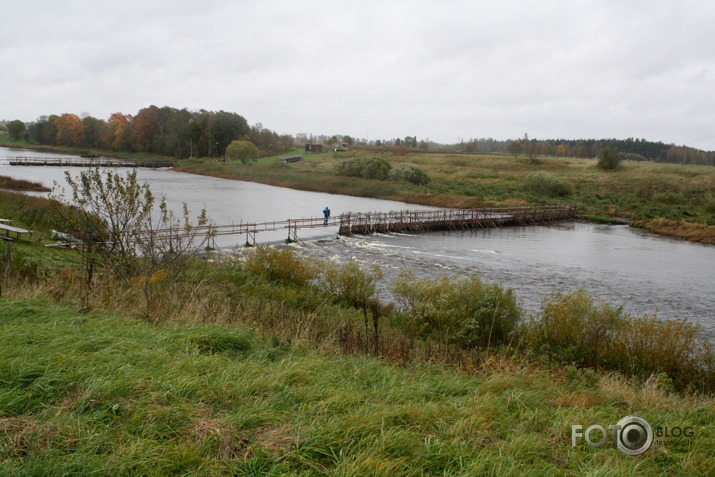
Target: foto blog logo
(632, 435)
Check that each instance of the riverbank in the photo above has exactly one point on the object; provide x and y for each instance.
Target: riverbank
(8, 183)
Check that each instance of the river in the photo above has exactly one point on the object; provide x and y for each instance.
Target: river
(643, 272)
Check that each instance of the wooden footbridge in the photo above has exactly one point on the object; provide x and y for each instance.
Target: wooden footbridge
(82, 162)
(392, 222)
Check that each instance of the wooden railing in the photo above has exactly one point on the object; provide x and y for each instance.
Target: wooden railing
(395, 221)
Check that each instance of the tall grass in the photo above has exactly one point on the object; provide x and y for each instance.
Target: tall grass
(105, 394)
(257, 367)
(34, 212)
(450, 320)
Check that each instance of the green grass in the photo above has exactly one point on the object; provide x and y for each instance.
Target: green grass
(107, 395)
(279, 385)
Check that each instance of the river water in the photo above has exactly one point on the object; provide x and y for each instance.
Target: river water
(643, 272)
(226, 201)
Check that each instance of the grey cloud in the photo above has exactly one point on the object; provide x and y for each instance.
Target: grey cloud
(442, 70)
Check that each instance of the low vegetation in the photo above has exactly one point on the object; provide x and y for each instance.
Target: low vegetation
(365, 167)
(571, 328)
(9, 183)
(409, 173)
(466, 312)
(546, 184)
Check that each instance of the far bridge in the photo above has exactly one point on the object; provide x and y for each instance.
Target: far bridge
(363, 223)
(83, 162)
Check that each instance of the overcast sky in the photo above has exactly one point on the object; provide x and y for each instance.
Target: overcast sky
(443, 70)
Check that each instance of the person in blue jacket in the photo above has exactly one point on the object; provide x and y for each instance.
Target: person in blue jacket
(326, 214)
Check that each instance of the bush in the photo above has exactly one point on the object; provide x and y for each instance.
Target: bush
(572, 329)
(281, 266)
(466, 311)
(609, 158)
(353, 287)
(547, 184)
(409, 173)
(647, 346)
(349, 284)
(243, 151)
(366, 167)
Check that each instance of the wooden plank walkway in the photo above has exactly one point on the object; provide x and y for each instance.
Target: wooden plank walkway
(82, 162)
(392, 222)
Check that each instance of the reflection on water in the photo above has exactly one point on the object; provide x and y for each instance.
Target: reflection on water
(642, 272)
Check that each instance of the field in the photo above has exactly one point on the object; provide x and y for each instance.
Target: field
(103, 394)
(675, 200)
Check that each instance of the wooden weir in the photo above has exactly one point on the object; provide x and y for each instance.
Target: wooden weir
(395, 221)
(451, 219)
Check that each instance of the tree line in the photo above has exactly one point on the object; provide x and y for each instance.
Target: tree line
(183, 133)
(166, 131)
(630, 149)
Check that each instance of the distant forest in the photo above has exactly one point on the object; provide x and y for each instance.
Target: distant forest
(166, 131)
(183, 133)
(629, 149)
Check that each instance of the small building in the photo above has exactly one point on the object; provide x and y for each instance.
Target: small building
(341, 147)
(314, 148)
(291, 158)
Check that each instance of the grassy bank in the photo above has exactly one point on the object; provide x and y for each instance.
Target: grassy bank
(26, 211)
(105, 394)
(21, 185)
(671, 199)
(260, 366)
